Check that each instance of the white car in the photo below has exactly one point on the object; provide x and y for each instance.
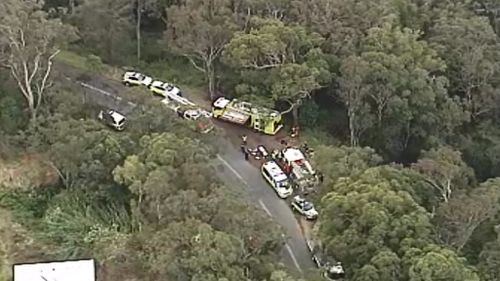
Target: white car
(113, 119)
(278, 180)
(164, 89)
(132, 78)
(304, 207)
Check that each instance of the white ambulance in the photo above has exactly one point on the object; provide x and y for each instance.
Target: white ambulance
(277, 179)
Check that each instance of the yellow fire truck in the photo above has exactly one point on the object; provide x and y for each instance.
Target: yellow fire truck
(261, 119)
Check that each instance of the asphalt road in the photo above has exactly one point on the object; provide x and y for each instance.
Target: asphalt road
(237, 170)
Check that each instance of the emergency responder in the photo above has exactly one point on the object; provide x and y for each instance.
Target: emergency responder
(274, 154)
(244, 139)
(320, 177)
(305, 147)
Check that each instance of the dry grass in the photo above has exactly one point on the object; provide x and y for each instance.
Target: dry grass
(25, 172)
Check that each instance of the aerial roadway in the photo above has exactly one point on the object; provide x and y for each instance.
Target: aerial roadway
(236, 172)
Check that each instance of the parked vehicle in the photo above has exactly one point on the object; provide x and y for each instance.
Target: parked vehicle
(260, 119)
(299, 169)
(304, 207)
(112, 119)
(273, 174)
(331, 270)
(164, 89)
(132, 78)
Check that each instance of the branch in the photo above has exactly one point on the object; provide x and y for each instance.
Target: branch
(16, 77)
(254, 65)
(35, 67)
(194, 64)
(292, 106)
(45, 77)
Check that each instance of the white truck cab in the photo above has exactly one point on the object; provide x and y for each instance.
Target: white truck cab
(113, 119)
(278, 180)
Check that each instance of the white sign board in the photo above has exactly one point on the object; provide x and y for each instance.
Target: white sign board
(80, 270)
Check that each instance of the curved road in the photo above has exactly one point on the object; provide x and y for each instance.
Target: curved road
(237, 171)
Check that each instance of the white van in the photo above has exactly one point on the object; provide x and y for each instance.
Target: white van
(277, 179)
(113, 119)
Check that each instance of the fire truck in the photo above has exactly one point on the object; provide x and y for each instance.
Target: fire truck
(261, 119)
(299, 169)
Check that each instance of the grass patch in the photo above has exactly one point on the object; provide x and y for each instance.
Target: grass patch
(90, 63)
(72, 59)
(176, 70)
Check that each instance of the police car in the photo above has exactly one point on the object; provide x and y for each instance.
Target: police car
(273, 174)
(304, 207)
(163, 89)
(131, 78)
(112, 119)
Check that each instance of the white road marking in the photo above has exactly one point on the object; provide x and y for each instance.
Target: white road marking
(265, 208)
(294, 259)
(232, 169)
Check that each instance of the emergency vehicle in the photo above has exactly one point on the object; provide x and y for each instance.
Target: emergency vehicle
(260, 119)
(331, 270)
(299, 169)
(188, 110)
(164, 89)
(112, 119)
(131, 78)
(273, 174)
(304, 207)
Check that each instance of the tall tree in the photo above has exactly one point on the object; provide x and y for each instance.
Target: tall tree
(489, 259)
(362, 215)
(29, 41)
(199, 30)
(105, 27)
(288, 53)
(458, 219)
(343, 23)
(445, 170)
(470, 48)
(394, 87)
(437, 263)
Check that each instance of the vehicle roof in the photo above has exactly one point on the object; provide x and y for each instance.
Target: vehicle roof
(275, 171)
(299, 198)
(115, 115)
(174, 90)
(159, 83)
(293, 154)
(254, 109)
(136, 74)
(221, 102)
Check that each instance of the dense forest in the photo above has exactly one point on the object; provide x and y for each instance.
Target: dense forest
(400, 98)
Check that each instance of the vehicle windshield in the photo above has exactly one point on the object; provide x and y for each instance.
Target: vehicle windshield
(283, 184)
(121, 121)
(307, 206)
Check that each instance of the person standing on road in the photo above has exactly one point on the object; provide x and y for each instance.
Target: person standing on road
(244, 139)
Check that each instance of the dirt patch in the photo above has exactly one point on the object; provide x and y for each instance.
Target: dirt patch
(27, 171)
